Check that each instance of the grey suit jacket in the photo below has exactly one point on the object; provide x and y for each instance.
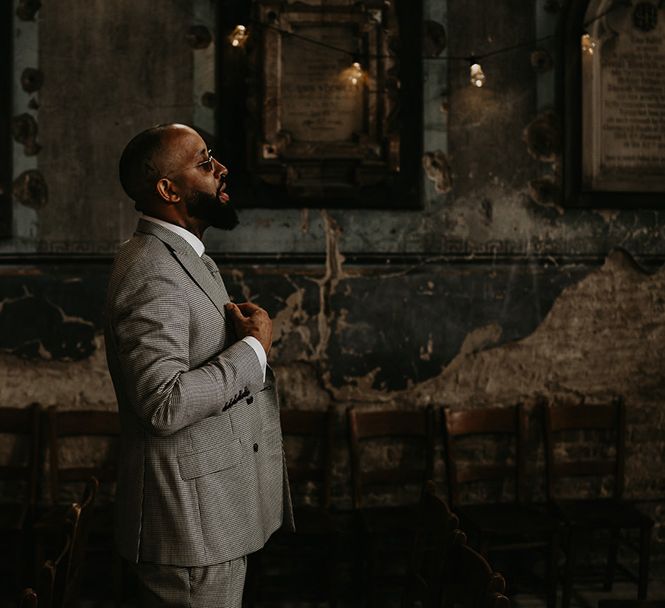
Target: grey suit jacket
(202, 477)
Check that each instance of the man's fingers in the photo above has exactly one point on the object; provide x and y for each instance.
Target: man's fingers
(248, 307)
(234, 311)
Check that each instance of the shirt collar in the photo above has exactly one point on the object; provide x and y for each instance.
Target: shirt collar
(192, 239)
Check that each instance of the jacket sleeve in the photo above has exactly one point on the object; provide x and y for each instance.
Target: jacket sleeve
(150, 328)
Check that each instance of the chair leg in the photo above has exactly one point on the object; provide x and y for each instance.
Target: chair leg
(118, 578)
(553, 570)
(333, 565)
(371, 569)
(569, 569)
(645, 550)
(611, 559)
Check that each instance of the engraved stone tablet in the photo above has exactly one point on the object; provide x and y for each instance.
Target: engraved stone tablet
(623, 97)
(319, 101)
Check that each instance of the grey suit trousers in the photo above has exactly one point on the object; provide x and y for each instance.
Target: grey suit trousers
(215, 586)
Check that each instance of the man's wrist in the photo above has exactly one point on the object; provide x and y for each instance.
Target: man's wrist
(260, 352)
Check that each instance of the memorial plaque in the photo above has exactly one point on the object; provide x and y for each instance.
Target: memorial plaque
(623, 98)
(320, 103)
(324, 108)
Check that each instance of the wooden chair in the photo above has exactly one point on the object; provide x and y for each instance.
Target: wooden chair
(302, 565)
(509, 525)
(387, 529)
(59, 577)
(62, 425)
(19, 480)
(437, 533)
(581, 514)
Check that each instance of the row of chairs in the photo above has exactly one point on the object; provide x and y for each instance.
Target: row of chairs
(488, 523)
(496, 523)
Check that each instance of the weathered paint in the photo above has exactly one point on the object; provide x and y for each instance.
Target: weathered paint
(506, 298)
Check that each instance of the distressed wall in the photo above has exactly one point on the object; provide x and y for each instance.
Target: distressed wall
(491, 294)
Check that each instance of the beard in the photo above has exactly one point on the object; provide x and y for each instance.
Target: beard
(207, 207)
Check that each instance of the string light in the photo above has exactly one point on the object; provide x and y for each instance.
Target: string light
(238, 37)
(588, 44)
(356, 74)
(476, 74)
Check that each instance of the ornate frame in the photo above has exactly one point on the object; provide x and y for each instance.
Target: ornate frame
(378, 166)
(6, 112)
(570, 101)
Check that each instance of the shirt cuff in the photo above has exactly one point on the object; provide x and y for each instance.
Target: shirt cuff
(260, 353)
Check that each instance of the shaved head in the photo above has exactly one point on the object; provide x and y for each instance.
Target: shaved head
(171, 174)
(142, 161)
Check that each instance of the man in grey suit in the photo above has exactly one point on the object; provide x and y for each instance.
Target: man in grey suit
(202, 479)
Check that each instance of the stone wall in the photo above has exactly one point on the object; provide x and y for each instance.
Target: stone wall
(492, 293)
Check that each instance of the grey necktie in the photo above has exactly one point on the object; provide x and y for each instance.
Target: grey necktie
(214, 271)
(212, 267)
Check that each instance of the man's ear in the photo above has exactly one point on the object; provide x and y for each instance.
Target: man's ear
(166, 190)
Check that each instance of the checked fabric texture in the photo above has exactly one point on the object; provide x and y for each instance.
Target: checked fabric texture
(202, 478)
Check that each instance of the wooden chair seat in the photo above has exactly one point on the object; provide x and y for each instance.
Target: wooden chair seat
(601, 513)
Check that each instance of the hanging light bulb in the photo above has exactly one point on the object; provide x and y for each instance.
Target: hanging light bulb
(476, 74)
(588, 44)
(238, 37)
(356, 74)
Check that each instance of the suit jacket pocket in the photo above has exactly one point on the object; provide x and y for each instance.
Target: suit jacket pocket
(210, 461)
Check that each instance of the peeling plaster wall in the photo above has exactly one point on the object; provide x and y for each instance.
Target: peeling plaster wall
(500, 295)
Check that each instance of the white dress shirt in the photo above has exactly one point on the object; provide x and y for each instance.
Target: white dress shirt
(199, 247)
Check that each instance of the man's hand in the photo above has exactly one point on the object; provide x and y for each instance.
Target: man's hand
(251, 320)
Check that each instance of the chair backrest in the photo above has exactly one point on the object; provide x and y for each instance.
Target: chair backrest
(402, 426)
(491, 424)
(608, 418)
(437, 533)
(471, 582)
(78, 423)
(317, 429)
(69, 567)
(23, 422)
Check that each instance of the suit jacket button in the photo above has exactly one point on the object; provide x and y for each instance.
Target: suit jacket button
(256, 447)
(250, 400)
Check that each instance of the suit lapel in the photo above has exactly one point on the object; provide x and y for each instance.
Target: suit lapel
(190, 261)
